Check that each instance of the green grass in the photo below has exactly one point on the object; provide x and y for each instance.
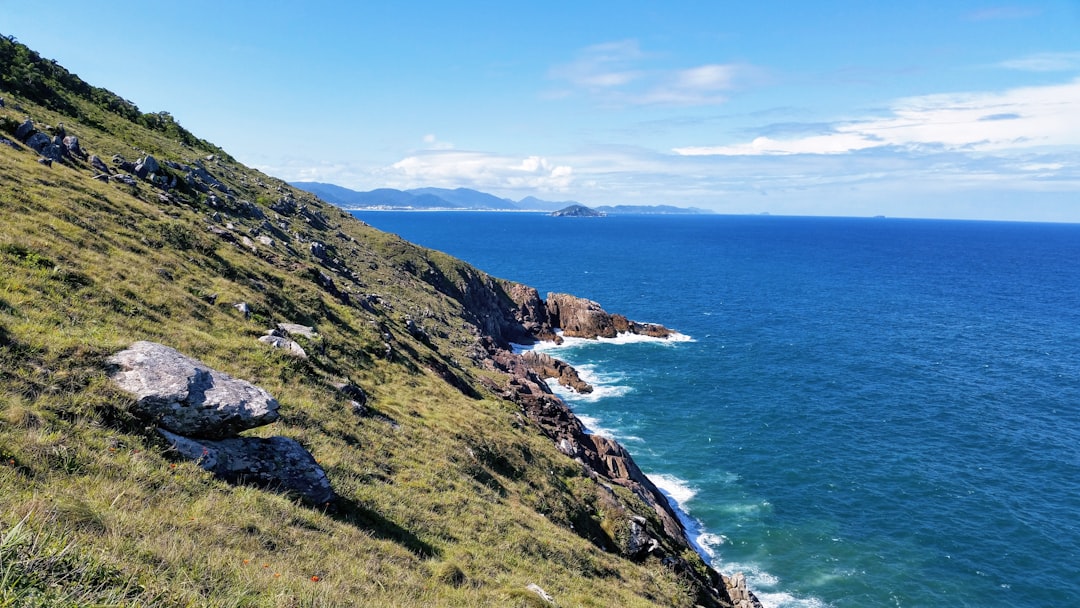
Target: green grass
(463, 503)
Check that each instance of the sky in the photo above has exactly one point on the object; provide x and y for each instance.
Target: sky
(943, 109)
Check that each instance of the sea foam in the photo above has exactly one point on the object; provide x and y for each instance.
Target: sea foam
(569, 342)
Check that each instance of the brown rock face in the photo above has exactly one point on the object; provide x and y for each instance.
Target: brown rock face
(546, 366)
(532, 312)
(581, 318)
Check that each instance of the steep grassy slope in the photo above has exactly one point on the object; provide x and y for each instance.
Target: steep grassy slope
(449, 495)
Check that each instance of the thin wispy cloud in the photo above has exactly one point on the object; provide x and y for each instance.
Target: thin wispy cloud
(1016, 119)
(617, 73)
(1045, 62)
(998, 13)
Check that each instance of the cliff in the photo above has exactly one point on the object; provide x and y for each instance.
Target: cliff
(442, 470)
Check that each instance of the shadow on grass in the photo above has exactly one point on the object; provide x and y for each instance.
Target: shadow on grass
(355, 514)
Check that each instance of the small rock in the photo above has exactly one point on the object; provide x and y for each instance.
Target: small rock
(150, 164)
(318, 250)
(544, 595)
(265, 240)
(38, 141)
(354, 392)
(284, 343)
(250, 209)
(294, 329)
(54, 152)
(72, 144)
(25, 130)
(243, 308)
(98, 164)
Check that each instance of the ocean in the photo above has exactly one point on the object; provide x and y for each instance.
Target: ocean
(860, 412)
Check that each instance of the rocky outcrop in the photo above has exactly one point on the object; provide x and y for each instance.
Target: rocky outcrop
(581, 318)
(182, 395)
(200, 410)
(532, 313)
(546, 366)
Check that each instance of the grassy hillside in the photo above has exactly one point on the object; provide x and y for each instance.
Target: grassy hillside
(449, 495)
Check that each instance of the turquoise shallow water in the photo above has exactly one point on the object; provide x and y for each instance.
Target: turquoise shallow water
(867, 412)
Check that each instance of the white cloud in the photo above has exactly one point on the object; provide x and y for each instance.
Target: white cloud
(614, 74)
(478, 170)
(1045, 62)
(1019, 118)
(601, 66)
(433, 143)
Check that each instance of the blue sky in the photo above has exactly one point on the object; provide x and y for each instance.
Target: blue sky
(914, 109)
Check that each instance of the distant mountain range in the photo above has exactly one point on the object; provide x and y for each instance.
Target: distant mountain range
(458, 198)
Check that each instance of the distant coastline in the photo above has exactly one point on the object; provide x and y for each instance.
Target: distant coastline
(464, 199)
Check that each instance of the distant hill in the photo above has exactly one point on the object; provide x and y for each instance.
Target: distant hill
(533, 203)
(420, 198)
(462, 198)
(578, 211)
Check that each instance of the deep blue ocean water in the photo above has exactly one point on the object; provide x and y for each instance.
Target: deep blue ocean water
(866, 412)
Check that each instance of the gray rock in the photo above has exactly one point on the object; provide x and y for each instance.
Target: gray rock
(265, 240)
(243, 308)
(72, 144)
(544, 595)
(318, 250)
(250, 209)
(185, 396)
(124, 178)
(639, 542)
(98, 164)
(295, 329)
(284, 206)
(141, 171)
(277, 463)
(54, 152)
(25, 130)
(38, 141)
(151, 164)
(284, 343)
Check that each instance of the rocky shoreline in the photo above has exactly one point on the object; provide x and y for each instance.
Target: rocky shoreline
(662, 536)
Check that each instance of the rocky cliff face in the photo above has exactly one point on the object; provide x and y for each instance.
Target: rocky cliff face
(581, 318)
(517, 309)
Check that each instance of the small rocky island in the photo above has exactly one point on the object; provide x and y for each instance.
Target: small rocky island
(578, 211)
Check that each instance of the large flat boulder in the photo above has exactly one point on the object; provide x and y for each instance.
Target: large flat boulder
(277, 463)
(183, 395)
